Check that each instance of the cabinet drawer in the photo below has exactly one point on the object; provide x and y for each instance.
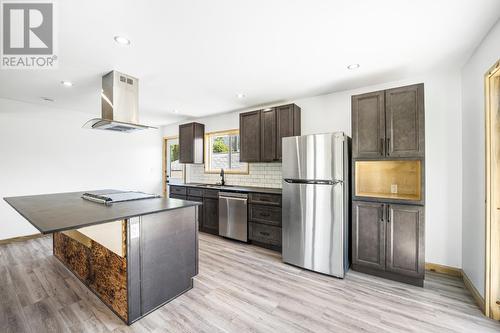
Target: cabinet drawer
(211, 194)
(265, 214)
(265, 199)
(197, 199)
(265, 233)
(179, 190)
(195, 192)
(177, 196)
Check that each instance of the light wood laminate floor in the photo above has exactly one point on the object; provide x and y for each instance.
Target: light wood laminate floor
(240, 288)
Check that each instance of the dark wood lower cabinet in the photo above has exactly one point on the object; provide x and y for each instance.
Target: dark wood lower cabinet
(388, 241)
(265, 234)
(368, 235)
(210, 216)
(264, 214)
(208, 213)
(177, 196)
(405, 240)
(264, 220)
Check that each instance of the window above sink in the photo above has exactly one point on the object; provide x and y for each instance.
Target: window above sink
(222, 151)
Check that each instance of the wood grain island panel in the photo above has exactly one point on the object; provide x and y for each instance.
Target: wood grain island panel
(99, 268)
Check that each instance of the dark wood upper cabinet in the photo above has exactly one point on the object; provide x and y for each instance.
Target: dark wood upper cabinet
(268, 135)
(191, 141)
(389, 123)
(405, 240)
(261, 132)
(288, 124)
(404, 114)
(368, 125)
(250, 136)
(368, 230)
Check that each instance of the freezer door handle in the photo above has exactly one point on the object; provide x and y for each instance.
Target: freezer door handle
(312, 182)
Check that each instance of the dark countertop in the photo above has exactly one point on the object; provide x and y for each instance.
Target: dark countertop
(231, 188)
(65, 211)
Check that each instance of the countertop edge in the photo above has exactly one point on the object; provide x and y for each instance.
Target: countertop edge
(234, 188)
(91, 223)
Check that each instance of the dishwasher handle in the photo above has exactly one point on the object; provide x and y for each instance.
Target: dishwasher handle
(233, 196)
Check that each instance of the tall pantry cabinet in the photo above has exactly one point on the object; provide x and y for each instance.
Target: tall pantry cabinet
(388, 183)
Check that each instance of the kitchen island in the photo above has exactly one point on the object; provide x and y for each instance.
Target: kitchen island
(135, 256)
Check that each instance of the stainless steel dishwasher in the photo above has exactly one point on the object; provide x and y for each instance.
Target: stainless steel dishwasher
(233, 215)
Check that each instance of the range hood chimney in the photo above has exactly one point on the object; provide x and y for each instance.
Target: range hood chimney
(119, 104)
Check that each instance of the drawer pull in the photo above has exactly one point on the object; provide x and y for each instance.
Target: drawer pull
(264, 233)
(265, 214)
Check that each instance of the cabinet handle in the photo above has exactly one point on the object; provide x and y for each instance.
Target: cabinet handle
(388, 146)
(381, 213)
(388, 214)
(381, 146)
(264, 233)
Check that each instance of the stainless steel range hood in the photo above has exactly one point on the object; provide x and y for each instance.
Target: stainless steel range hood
(119, 104)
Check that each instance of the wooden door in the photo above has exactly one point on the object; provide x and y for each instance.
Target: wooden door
(268, 135)
(186, 134)
(368, 125)
(368, 234)
(250, 136)
(404, 114)
(492, 275)
(210, 216)
(405, 240)
(288, 124)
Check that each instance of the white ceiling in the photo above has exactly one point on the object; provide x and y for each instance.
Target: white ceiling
(194, 56)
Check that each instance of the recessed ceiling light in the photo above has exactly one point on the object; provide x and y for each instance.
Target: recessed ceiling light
(241, 95)
(353, 66)
(122, 40)
(67, 83)
(47, 99)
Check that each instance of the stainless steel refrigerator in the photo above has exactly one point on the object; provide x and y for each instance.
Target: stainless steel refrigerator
(316, 202)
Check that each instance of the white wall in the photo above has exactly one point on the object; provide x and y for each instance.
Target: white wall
(473, 203)
(45, 150)
(332, 112)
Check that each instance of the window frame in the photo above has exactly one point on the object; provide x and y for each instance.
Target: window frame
(208, 153)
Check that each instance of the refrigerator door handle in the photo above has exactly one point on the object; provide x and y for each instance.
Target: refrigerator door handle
(313, 182)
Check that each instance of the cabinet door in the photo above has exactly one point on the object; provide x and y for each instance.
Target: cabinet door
(186, 134)
(250, 136)
(210, 216)
(268, 135)
(368, 125)
(404, 112)
(368, 235)
(288, 124)
(405, 240)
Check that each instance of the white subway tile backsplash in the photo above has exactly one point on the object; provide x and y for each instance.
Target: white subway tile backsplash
(260, 174)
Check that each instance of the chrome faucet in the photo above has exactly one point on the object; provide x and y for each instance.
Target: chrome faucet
(222, 181)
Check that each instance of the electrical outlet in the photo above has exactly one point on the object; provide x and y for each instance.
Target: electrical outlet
(394, 188)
